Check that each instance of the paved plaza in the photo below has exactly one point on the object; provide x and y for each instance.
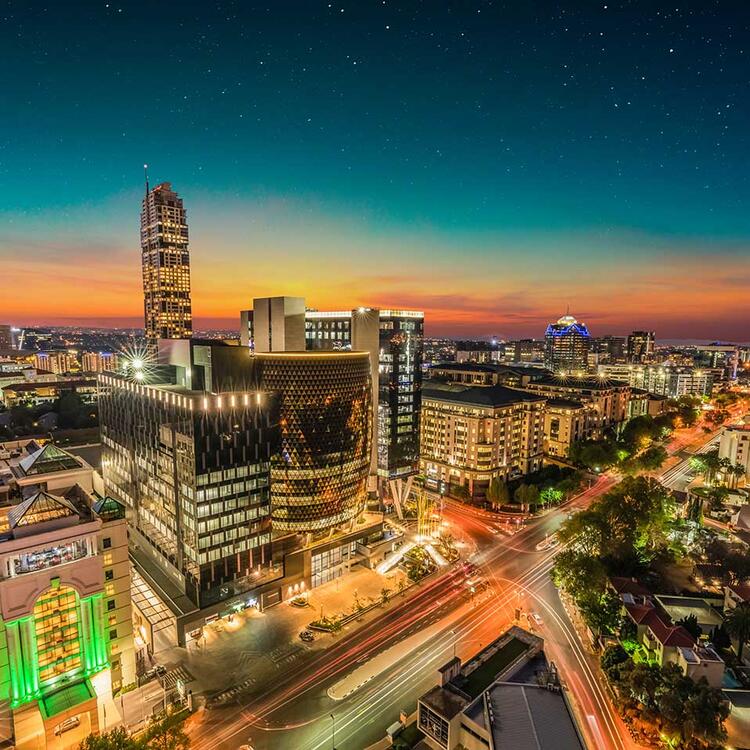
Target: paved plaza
(255, 645)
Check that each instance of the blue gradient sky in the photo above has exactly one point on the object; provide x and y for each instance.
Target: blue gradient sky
(486, 162)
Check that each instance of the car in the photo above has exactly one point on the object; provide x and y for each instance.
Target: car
(549, 542)
(307, 636)
(536, 618)
(67, 725)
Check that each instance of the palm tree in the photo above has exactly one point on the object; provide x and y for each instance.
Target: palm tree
(737, 624)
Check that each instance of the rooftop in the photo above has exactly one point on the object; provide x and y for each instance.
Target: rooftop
(680, 607)
(494, 395)
(574, 381)
(531, 717)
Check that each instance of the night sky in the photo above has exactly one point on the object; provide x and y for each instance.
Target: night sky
(488, 162)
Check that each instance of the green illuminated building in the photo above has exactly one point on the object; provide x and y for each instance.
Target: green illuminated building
(66, 638)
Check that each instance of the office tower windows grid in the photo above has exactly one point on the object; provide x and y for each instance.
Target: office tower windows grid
(567, 346)
(195, 482)
(400, 393)
(165, 265)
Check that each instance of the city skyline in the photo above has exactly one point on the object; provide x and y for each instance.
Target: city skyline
(387, 156)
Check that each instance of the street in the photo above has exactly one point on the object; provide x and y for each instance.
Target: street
(296, 712)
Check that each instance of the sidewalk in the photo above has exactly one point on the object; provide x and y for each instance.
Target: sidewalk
(255, 645)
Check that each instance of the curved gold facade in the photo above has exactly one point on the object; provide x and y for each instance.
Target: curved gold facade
(319, 475)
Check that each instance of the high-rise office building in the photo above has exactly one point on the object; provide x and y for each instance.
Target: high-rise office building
(641, 347)
(166, 265)
(566, 345)
(394, 341)
(213, 450)
(319, 475)
(6, 337)
(191, 463)
(609, 349)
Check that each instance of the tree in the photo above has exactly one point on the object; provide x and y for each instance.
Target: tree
(68, 408)
(652, 458)
(167, 734)
(117, 739)
(737, 624)
(611, 659)
(579, 574)
(600, 611)
(550, 496)
(526, 495)
(690, 623)
(596, 455)
(498, 493)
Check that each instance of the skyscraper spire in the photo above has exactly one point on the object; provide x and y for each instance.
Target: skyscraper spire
(145, 175)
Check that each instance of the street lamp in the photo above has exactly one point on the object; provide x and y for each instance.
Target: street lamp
(333, 732)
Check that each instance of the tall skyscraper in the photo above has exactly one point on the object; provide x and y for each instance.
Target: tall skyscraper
(166, 265)
(394, 341)
(641, 347)
(567, 345)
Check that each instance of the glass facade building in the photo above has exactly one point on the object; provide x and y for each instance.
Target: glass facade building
(319, 475)
(399, 392)
(193, 470)
(395, 346)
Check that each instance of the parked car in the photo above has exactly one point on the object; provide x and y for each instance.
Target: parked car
(536, 618)
(307, 636)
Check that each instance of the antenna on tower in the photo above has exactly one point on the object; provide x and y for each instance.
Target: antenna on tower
(145, 175)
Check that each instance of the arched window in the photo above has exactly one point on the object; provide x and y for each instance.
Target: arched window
(57, 627)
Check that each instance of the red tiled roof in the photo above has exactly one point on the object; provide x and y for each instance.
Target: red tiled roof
(670, 635)
(641, 614)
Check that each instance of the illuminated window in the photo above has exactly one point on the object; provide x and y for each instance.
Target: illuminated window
(58, 640)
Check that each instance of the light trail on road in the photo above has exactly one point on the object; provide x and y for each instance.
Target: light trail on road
(480, 618)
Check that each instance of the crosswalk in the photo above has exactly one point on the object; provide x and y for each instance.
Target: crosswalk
(169, 680)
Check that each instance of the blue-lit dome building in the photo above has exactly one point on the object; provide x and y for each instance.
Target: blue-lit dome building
(566, 346)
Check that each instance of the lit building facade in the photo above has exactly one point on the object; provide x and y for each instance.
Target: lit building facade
(641, 347)
(734, 445)
(394, 341)
(55, 362)
(242, 475)
(99, 362)
(608, 399)
(473, 435)
(609, 349)
(193, 470)
(165, 265)
(67, 639)
(566, 422)
(319, 474)
(566, 346)
(671, 381)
